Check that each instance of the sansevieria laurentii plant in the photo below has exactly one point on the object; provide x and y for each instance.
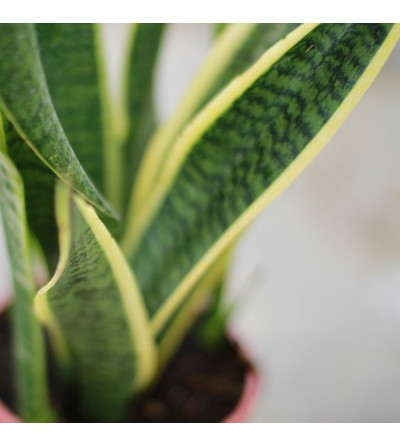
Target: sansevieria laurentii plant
(136, 222)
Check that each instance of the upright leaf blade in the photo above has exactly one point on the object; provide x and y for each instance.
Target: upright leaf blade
(95, 314)
(30, 373)
(26, 102)
(238, 47)
(241, 151)
(39, 183)
(173, 330)
(138, 83)
(193, 130)
(69, 56)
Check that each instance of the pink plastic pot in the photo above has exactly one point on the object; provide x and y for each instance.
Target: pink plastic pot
(6, 415)
(239, 414)
(246, 403)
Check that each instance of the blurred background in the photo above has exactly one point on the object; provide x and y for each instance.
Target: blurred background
(316, 279)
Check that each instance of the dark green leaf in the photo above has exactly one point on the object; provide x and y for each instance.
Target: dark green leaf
(246, 147)
(29, 363)
(95, 315)
(39, 183)
(26, 102)
(141, 62)
(238, 47)
(71, 67)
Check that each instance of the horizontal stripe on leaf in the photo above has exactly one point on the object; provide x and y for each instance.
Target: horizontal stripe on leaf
(69, 57)
(239, 47)
(262, 37)
(230, 167)
(26, 102)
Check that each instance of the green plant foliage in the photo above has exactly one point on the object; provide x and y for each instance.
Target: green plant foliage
(26, 102)
(266, 100)
(141, 60)
(241, 153)
(29, 364)
(235, 51)
(69, 59)
(39, 183)
(89, 306)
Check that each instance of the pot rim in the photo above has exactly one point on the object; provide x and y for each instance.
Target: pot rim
(245, 405)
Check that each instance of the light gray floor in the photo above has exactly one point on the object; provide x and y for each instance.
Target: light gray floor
(317, 277)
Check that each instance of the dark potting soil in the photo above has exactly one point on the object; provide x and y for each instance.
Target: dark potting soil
(198, 385)
(6, 390)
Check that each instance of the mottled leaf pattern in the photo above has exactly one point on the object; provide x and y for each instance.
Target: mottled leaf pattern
(226, 173)
(94, 311)
(262, 37)
(267, 99)
(239, 47)
(26, 102)
(69, 57)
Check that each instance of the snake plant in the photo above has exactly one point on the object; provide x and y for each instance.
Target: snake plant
(136, 222)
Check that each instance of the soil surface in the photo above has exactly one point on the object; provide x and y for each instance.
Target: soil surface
(198, 386)
(6, 391)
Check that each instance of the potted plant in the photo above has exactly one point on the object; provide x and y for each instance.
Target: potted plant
(135, 223)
